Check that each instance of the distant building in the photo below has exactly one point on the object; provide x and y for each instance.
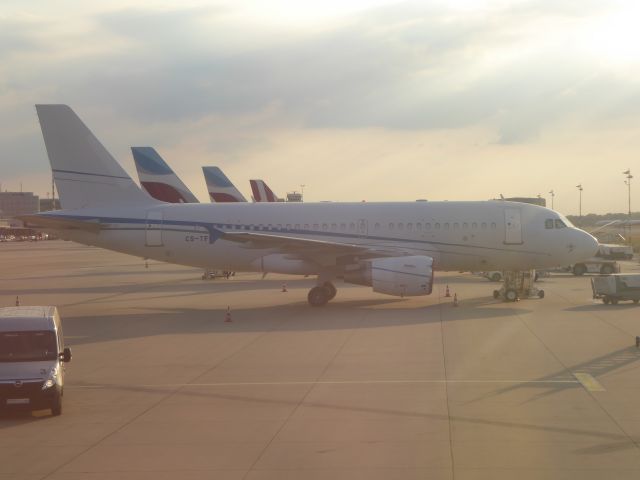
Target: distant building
(13, 204)
(45, 205)
(294, 197)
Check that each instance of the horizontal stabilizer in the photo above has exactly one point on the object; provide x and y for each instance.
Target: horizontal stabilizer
(59, 223)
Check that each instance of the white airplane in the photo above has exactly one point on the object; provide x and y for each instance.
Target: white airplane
(157, 178)
(221, 189)
(262, 192)
(393, 247)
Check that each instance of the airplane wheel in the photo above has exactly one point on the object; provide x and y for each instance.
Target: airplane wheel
(636, 301)
(318, 296)
(606, 300)
(331, 289)
(511, 295)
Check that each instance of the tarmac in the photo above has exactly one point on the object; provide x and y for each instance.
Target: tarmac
(368, 387)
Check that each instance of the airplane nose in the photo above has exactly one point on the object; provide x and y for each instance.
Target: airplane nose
(586, 245)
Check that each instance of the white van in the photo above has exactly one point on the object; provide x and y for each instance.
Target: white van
(32, 358)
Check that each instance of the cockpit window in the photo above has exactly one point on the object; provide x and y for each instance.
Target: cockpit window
(548, 223)
(560, 223)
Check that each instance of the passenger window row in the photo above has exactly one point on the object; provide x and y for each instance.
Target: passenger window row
(399, 227)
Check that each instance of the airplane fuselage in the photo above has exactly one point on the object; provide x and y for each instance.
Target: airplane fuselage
(457, 235)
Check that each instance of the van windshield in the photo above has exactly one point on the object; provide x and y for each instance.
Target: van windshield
(27, 346)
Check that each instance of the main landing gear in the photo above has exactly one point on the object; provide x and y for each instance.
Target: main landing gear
(320, 295)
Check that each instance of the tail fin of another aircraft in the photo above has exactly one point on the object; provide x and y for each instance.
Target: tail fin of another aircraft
(85, 173)
(220, 188)
(157, 178)
(262, 192)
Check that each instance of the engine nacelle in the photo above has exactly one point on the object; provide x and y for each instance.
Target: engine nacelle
(400, 276)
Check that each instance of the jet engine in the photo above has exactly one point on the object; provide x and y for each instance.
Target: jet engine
(400, 276)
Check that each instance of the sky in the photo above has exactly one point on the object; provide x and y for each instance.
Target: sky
(357, 100)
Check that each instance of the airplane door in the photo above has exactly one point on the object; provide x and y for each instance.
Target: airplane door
(362, 228)
(512, 226)
(154, 228)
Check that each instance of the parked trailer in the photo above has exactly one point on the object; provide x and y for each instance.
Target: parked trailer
(615, 288)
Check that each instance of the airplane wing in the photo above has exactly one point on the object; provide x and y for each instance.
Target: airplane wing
(57, 223)
(311, 247)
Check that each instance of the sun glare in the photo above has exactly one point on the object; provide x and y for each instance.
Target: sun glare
(615, 38)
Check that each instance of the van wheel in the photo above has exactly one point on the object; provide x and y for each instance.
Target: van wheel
(606, 270)
(56, 407)
(606, 300)
(636, 301)
(579, 269)
(614, 301)
(496, 277)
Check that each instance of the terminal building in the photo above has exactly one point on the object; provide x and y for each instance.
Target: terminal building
(13, 204)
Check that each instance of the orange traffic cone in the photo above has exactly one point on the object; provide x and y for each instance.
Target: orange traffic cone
(455, 299)
(17, 301)
(284, 287)
(227, 317)
(447, 294)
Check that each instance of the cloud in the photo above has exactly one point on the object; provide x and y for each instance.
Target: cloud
(223, 85)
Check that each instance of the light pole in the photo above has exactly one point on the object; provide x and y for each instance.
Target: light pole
(628, 183)
(552, 193)
(579, 187)
(302, 191)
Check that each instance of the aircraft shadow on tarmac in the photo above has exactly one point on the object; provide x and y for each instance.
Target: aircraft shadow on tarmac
(298, 316)
(601, 307)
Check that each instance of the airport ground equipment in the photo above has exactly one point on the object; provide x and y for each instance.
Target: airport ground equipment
(518, 285)
(495, 276)
(615, 288)
(595, 265)
(615, 252)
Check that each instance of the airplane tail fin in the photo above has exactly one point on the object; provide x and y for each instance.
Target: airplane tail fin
(157, 178)
(85, 173)
(262, 192)
(220, 188)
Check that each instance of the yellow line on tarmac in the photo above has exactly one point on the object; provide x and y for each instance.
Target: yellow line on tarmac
(588, 382)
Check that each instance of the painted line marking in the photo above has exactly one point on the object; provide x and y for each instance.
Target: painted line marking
(589, 383)
(331, 382)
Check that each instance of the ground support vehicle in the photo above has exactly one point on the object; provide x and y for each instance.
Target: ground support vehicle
(518, 285)
(32, 358)
(612, 251)
(615, 288)
(595, 265)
